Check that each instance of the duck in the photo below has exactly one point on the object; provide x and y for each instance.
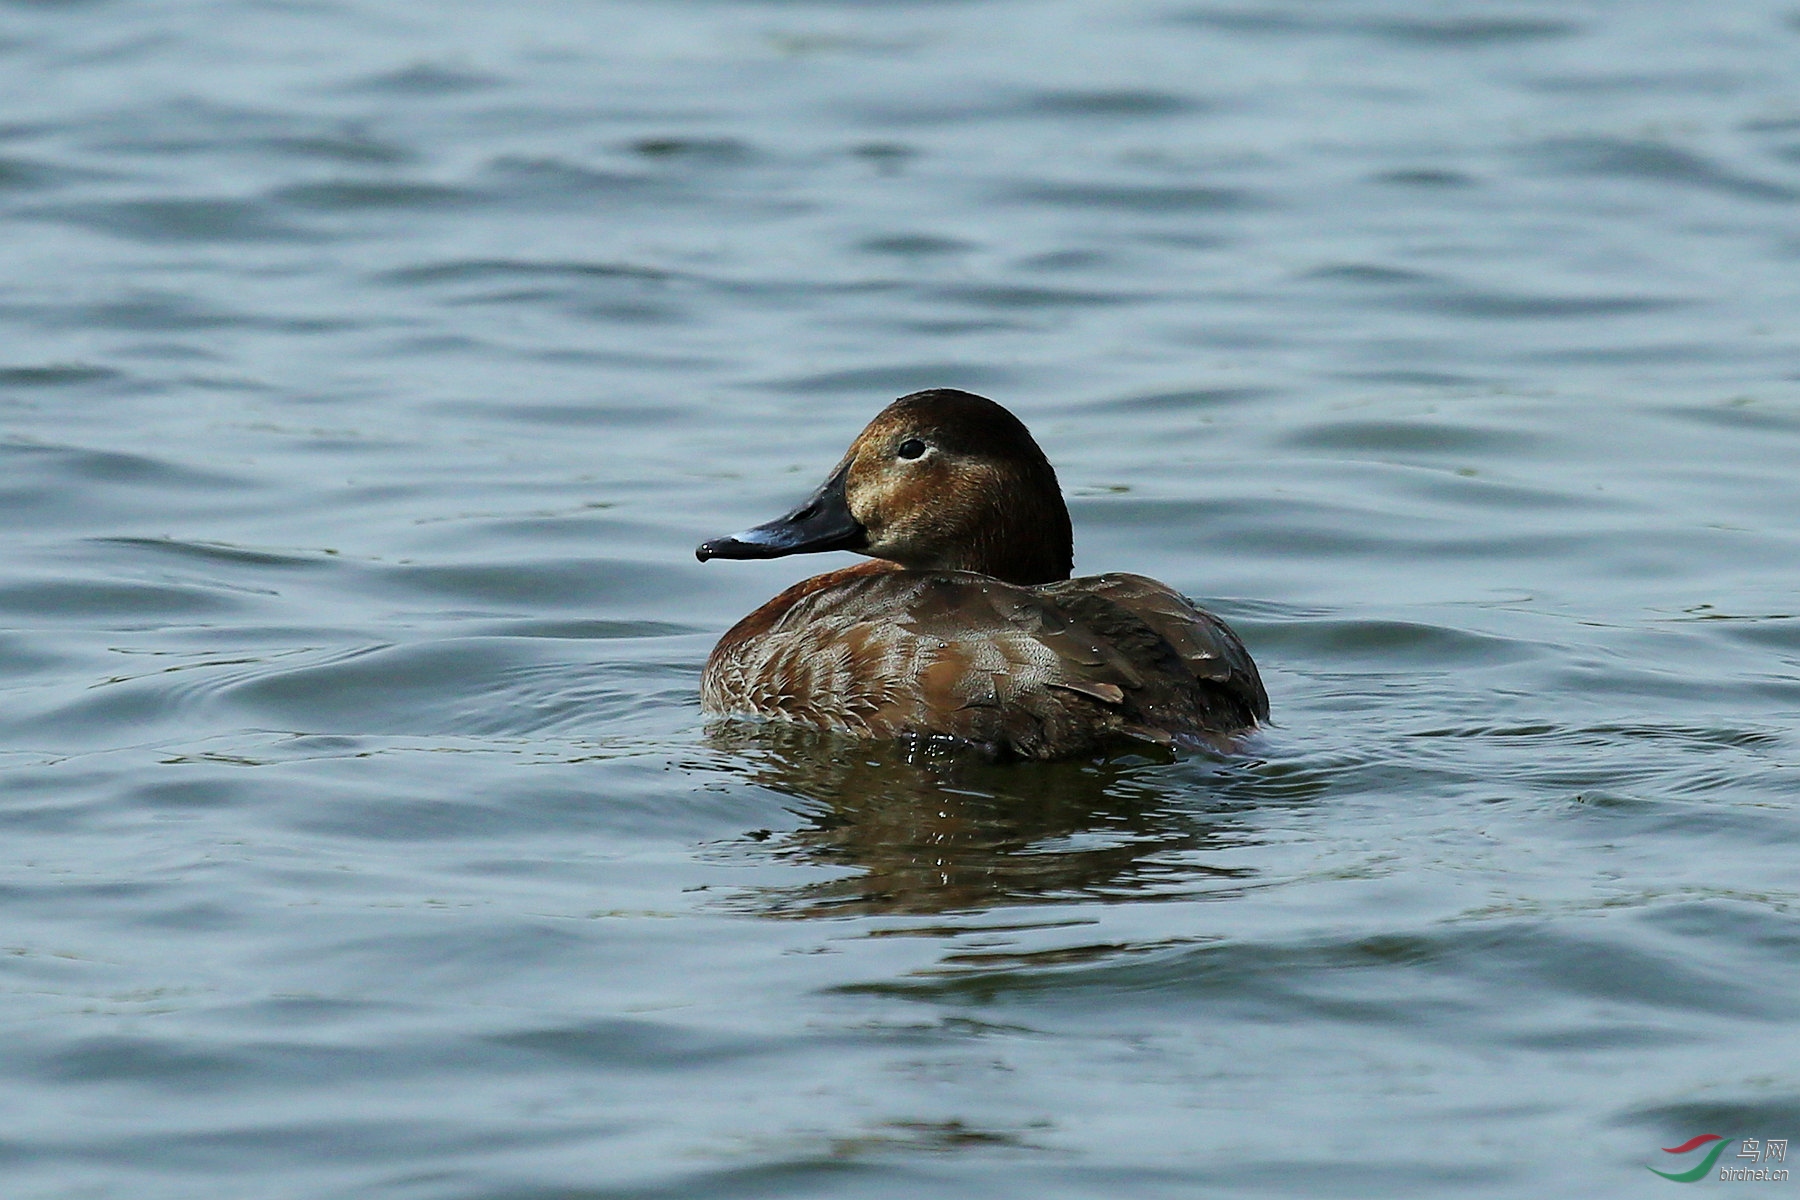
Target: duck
(967, 625)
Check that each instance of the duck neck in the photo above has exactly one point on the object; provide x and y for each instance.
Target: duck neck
(1031, 543)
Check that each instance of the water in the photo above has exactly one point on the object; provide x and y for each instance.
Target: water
(368, 372)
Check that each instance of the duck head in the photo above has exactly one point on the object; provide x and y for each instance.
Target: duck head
(939, 480)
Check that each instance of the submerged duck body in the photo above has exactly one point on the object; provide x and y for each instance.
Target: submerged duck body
(967, 625)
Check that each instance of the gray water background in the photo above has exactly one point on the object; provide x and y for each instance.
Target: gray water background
(369, 370)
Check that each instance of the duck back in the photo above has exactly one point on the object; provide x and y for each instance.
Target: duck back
(1039, 672)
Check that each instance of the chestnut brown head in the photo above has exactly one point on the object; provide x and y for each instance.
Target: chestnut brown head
(939, 480)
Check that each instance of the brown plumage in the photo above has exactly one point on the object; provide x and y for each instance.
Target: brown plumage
(967, 625)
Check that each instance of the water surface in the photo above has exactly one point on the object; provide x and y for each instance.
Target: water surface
(369, 371)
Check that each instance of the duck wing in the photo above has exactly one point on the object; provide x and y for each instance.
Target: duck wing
(1034, 672)
(1199, 677)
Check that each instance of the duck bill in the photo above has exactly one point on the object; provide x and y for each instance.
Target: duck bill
(822, 523)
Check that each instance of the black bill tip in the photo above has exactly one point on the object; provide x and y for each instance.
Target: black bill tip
(824, 522)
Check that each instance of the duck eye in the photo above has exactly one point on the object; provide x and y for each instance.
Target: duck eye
(911, 448)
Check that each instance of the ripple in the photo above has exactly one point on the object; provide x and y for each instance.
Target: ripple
(374, 690)
(535, 586)
(350, 146)
(1755, 1107)
(361, 195)
(1137, 198)
(58, 487)
(898, 380)
(483, 269)
(548, 179)
(487, 686)
(1451, 970)
(217, 553)
(1648, 83)
(1392, 644)
(1744, 416)
(1122, 103)
(426, 80)
(1373, 274)
(170, 312)
(591, 630)
(915, 245)
(1774, 631)
(635, 1045)
(1185, 401)
(706, 151)
(1020, 297)
(593, 291)
(199, 219)
(1516, 307)
(1430, 33)
(22, 656)
(1416, 438)
(1473, 31)
(25, 174)
(1656, 162)
(612, 416)
(206, 1146)
(1425, 177)
(1436, 380)
(111, 466)
(55, 600)
(57, 375)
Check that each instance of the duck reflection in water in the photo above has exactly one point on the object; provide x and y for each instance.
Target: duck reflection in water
(966, 624)
(929, 827)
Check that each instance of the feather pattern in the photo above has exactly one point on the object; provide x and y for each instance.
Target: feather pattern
(1031, 672)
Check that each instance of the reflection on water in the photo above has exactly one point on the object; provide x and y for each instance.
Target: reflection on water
(931, 828)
